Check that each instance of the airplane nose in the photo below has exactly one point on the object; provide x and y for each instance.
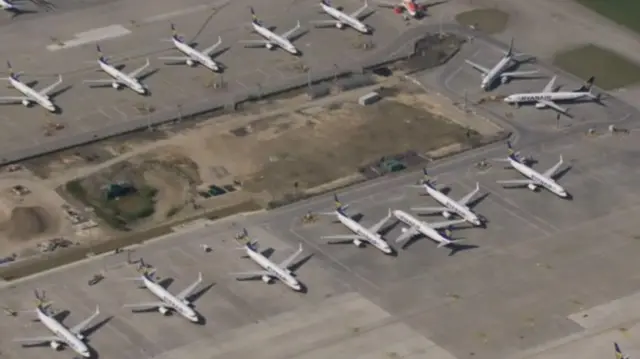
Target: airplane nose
(86, 354)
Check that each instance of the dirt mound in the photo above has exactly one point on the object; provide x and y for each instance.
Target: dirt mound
(28, 222)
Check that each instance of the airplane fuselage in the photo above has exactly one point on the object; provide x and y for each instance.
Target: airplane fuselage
(495, 72)
(547, 96)
(410, 7)
(170, 300)
(453, 206)
(64, 334)
(275, 38)
(343, 18)
(195, 55)
(33, 95)
(283, 274)
(122, 78)
(421, 227)
(538, 178)
(373, 238)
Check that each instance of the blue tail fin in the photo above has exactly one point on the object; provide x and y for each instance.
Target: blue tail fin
(619, 354)
(254, 17)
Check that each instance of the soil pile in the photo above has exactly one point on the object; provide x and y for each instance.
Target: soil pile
(27, 222)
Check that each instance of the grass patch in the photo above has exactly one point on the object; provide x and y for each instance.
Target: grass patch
(611, 70)
(117, 212)
(488, 21)
(623, 12)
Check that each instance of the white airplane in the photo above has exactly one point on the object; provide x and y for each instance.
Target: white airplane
(429, 230)
(179, 303)
(535, 179)
(271, 270)
(271, 39)
(119, 78)
(362, 234)
(548, 96)
(71, 337)
(193, 56)
(499, 70)
(342, 19)
(450, 206)
(30, 95)
(619, 354)
(10, 6)
(412, 7)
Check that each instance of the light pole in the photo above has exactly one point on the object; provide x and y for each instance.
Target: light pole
(309, 78)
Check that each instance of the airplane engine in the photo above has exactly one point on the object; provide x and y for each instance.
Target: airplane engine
(163, 310)
(80, 336)
(190, 62)
(267, 279)
(55, 345)
(446, 214)
(540, 105)
(397, 10)
(26, 103)
(357, 243)
(339, 25)
(115, 85)
(505, 80)
(269, 46)
(532, 187)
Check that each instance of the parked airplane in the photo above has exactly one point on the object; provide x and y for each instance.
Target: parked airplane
(11, 6)
(179, 303)
(30, 95)
(429, 230)
(412, 7)
(549, 95)
(271, 270)
(342, 19)
(193, 56)
(119, 78)
(499, 70)
(450, 206)
(619, 354)
(362, 234)
(71, 337)
(535, 179)
(271, 39)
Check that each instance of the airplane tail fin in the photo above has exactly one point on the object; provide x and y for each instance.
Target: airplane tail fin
(426, 179)
(339, 206)
(325, 2)
(101, 56)
(619, 354)
(587, 85)
(12, 74)
(254, 17)
(41, 300)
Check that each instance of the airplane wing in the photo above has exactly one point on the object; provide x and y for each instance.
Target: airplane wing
(376, 227)
(518, 74)
(445, 224)
(518, 182)
(211, 48)
(343, 238)
(480, 68)
(188, 290)
(356, 14)
(45, 91)
(80, 327)
(254, 43)
(551, 171)
(429, 209)
(408, 233)
(549, 86)
(134, 74)
(388, 5)
(324, 23)
(288, 34)
(250, 275)
(464, 200)
(143, 306)
(13, 99)
(101, 83)
(37, 340)
(287, 262)
(553, 105)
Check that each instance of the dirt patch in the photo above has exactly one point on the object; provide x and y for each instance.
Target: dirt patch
(27, 222)
(488, 21)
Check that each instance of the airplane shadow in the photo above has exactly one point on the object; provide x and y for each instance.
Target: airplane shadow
(268, 252)
(148, 74)
(15, 13)
(60, 91)
(94, 328)
(32, 83)
(196, 295)
(165, 282)
(297, 265)
(458, 247)
(366, 16)
(562, 173)
(61, 315)
(357, 217)
(298, 35)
